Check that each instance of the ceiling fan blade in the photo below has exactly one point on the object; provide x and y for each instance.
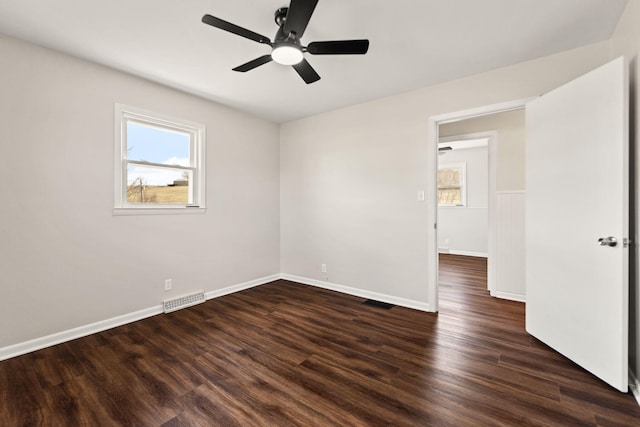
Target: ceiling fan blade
(253, 64)
(298, 16)
(306, 71)
(339, 47)
(233, 28)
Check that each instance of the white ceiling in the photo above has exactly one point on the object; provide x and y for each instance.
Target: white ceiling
(414, 43)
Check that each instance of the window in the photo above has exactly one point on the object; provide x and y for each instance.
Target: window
(159, 163)
(452, 184)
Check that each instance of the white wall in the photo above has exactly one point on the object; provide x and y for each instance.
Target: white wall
(464, 230)
(626, 41)
(65, 260)
(349, 177)
(510, 147)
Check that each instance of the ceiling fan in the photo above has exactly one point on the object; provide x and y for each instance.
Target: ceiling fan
(287, 49)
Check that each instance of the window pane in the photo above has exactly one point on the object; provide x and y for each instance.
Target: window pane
(449, 177)
(146, 143)
(156, 185)
(449, 196)
(450, 185)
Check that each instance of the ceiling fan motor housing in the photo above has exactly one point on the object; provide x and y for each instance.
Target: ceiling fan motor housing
(281, 37)
(280, 16)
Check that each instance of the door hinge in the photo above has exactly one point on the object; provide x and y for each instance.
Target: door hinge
(626, 242)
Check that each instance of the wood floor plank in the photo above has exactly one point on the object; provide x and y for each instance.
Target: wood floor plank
(22, 400)
(286, 354)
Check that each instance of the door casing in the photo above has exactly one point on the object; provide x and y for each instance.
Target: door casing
(432, 186)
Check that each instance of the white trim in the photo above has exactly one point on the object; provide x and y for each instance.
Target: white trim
(463, 207)
(93, 328)
(432, 182)
(509, 296)
(417, 305)
(634, 386)
(492, 245)
(463, 143)
(468, 253)
(485, 110)
(159, 211)
(198, 139)
(82, 331)
(241, 286)
(79, 332)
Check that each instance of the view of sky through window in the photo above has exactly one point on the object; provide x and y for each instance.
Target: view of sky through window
(145, 143)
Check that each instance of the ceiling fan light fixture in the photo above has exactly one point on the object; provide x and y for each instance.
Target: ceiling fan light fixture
(287, 55)
(287, 48)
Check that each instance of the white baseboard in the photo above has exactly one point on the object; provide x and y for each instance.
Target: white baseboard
(417, 305)
(82, 331)
(509, 296)
(72, 334)
(241, 287)
(93, 328)
(634, 386)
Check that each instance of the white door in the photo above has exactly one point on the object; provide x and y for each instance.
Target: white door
(577, 194)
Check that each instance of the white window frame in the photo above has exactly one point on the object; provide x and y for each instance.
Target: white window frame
(197, 133)
(462, 166)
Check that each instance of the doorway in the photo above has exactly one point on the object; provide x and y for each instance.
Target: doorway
(576, 246)
(465, 181)
(457, 121)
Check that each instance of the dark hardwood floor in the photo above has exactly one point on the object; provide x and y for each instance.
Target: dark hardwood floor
(287, 354)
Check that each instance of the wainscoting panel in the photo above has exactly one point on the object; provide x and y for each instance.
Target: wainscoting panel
(509, 245)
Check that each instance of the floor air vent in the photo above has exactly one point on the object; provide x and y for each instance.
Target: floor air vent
(182, 302)
(378, 304)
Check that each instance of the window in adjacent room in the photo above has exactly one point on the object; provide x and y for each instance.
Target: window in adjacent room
(159, 163)
(452, 184)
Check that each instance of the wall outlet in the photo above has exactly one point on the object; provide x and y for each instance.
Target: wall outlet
(168, 284)
(420, 196)
(324, 268)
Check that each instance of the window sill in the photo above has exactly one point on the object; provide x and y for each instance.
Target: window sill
(158, 211)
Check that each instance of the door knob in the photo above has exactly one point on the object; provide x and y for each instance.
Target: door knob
(608, 241)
